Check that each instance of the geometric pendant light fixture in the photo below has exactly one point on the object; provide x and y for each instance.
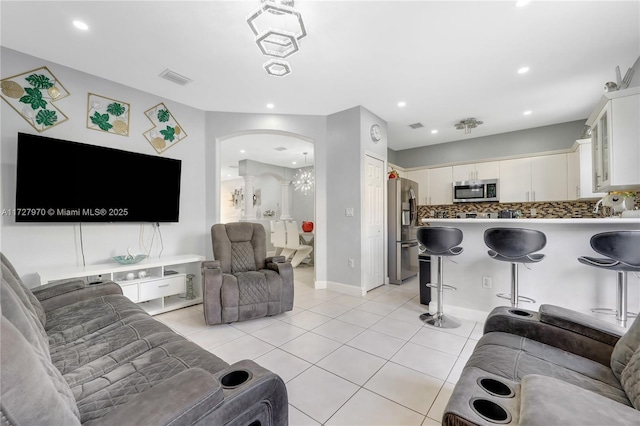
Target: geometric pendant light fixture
(278, 28)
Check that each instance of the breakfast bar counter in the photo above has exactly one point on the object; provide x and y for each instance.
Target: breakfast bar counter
(559, 279)
(526, 222)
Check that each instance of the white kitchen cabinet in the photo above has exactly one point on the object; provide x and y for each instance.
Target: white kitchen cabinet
(580, 172)
(549, 178)
(615, 136)
(542, 178)
(422, 178)
(477, 171)
(440, 186)
(156, 284)
(515, 180)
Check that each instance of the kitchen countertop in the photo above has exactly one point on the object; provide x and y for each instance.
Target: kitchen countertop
(567, 221)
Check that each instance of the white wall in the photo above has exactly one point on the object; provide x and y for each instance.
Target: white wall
(33, 246)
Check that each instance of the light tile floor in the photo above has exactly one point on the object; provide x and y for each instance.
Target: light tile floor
(347, 360)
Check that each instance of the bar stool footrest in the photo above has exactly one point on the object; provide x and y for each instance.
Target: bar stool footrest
(444, 286)
(611, 311)
(520, 298)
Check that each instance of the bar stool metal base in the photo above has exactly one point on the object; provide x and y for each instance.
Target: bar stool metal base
(440, 320)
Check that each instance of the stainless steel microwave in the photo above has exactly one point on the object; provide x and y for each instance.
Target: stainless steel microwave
(475, 191)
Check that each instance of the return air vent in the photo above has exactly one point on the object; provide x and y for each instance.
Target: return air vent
(416, 125)
(280, 148)
(175, 77)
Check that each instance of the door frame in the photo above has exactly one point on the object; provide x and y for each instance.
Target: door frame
(385, 274)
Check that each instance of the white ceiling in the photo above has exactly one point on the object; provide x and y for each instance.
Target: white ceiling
(262, 148)
(448, 60)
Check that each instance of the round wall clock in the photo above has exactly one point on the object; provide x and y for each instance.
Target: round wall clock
(376, 134)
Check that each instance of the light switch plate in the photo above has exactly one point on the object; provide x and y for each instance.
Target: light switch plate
(348, 212)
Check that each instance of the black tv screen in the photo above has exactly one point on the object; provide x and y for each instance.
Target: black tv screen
(64, 181)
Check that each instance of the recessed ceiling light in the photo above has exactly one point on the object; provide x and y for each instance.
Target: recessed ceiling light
(434, 131)
(401, 104)
(522, 3)
(293, 162)
(528, 112)
(270, 106)
(80, 25)
(242, 151)
(523, 70)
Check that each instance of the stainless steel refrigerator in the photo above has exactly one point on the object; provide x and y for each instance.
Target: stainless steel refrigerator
(402, 224)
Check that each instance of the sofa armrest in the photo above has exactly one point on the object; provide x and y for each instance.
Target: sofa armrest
(262, 388)
(549, 401)
(211, 291)
(210, 264)
(58, 294)
(179, 400)
(528, 324)
(275, 259)
(580, 323)
(282, 267)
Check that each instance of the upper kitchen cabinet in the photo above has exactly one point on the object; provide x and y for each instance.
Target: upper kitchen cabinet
(422, 178)
(542, 178)
(466, 172)
(580, 172)
(615, 136)
(440, 186)
(515, 180)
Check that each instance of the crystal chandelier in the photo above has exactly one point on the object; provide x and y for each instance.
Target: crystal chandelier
(467, 124)
(303, 181)
(278, 27)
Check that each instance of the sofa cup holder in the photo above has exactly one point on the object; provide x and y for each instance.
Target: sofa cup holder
(490, 411)
(496, 387)
(520, 313)
(235, 378)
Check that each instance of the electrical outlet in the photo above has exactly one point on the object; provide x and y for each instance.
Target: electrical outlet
(350, 263)
(486, 282)
(534, 212)
(348, 212)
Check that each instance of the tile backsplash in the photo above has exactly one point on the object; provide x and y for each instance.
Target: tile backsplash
(543, 210)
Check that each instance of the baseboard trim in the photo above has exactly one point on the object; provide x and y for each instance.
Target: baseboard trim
(340, 288)
(466, 313)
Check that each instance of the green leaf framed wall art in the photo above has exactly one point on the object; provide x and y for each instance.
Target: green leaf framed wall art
(166, 131)
(32, 94)
(107, 115)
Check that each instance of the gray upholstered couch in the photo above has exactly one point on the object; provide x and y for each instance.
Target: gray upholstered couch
(84, 354)
(243, 283)
(552, 367)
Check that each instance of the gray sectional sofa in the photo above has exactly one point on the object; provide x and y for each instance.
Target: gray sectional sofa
(552, 367)
(76, 354)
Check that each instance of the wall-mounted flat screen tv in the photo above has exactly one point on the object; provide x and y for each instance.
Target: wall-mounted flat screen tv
(64, 181)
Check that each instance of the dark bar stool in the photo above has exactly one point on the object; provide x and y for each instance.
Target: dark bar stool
(439, 242)
(622, 249)
(515, 245)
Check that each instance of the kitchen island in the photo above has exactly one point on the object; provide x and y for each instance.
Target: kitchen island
(559, 279)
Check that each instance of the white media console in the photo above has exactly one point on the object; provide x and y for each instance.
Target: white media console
(160, 288)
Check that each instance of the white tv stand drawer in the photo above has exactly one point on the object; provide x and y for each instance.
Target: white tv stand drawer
(162, 287)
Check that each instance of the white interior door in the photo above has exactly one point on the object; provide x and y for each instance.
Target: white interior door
(373, 212)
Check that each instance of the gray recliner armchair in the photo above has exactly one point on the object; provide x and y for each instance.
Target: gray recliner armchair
(243, 283)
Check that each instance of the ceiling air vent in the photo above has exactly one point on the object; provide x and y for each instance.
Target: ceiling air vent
(280, 148)
(175, 77)
(416, 125)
